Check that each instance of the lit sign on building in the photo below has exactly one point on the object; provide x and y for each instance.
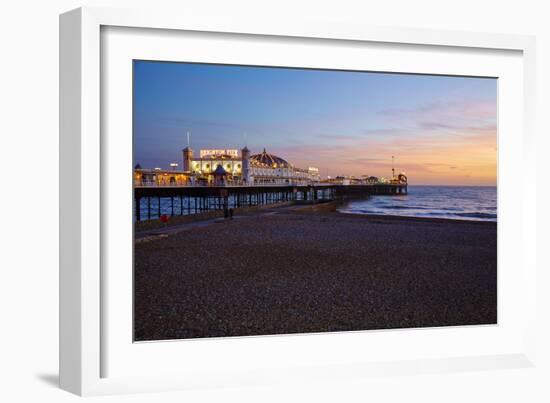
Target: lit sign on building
(210, 153)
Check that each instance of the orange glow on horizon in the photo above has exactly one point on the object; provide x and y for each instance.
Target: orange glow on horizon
(437, 159)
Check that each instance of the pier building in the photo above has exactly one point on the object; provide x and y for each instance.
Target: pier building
(227, 167)
(266, 168)
(232, 166)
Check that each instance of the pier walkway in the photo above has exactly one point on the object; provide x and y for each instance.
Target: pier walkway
(155, 201)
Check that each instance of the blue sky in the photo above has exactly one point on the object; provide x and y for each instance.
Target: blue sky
(441, 129)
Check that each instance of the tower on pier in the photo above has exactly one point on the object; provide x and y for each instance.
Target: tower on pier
(187, 156)
(245, 152)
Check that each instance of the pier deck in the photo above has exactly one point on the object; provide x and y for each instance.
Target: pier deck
(186, 200)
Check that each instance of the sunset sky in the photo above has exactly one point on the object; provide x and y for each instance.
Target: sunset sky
(441, 130)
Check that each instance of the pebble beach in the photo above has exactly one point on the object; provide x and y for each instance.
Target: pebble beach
(285, 272)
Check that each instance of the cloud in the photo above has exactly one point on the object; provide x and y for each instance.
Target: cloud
(465, 108)
(456, 128)
(340, 137)
(426, 156)
(450, 117)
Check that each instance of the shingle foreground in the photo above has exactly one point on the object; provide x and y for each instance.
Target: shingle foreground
(300, 273)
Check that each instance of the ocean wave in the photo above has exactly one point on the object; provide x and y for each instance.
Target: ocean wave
(433, 214)
(477, 215)
(393, 207)
(464, 203)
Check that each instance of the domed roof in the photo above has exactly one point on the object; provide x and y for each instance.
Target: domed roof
(220, 171)
(270, 160)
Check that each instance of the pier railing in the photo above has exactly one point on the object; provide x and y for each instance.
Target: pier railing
(152, 184)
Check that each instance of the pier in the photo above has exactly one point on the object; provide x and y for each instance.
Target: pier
(152, 202)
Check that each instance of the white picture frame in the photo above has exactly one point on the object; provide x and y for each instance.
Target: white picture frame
(83, 293)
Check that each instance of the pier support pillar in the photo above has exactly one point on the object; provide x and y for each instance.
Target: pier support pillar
(138, 208)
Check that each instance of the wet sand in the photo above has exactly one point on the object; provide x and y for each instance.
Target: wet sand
(288, 272)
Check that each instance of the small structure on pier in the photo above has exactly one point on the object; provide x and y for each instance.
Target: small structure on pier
(400, 179)
(220, 176)
(161, 177)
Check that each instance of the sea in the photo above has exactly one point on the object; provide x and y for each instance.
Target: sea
(476, 203)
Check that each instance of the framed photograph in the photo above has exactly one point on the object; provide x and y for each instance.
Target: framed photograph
(250, 202)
